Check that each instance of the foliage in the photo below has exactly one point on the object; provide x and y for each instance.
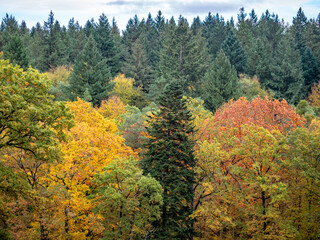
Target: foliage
(220, 84)
(169, 159)
(128, 200)
(29, 119)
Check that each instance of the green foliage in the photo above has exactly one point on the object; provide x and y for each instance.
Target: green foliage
(170, 160)
(251, 88)
(304, 109)
(91, 75)
(16, 52)
(220, 84)
(137, 67)
(29, 119)
(234, 51)
(129, 201)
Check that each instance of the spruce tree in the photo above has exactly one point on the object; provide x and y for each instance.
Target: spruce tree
(91, 75)
(170, 160)
(220, 84)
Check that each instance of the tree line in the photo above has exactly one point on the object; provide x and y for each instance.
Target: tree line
(166, 131)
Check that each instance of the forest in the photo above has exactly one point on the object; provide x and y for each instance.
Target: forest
(165, 130)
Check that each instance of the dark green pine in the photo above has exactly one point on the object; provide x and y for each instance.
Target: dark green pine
(220, 84)
(234, 51)
(91, 76)
(170, 160)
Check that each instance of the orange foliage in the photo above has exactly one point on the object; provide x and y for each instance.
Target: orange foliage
(266, 113)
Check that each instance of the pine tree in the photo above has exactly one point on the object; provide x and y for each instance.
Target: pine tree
(91, 75)
(170, 160)
(220, 84)
(234, 51)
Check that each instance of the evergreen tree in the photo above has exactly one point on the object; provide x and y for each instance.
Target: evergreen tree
(234, 51)
(91, 75)
(106, 44)
(287, 81)
(151, 42)
(220, 84)
(214, 31)
(184, 56)
(299, 27)
(170, 160)
(310, 69)
(137, 67)
(16, 52)
(75, 40)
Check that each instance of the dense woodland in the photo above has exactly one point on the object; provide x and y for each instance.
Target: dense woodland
(167, 130)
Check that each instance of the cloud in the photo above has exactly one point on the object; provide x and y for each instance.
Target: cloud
(205, 7)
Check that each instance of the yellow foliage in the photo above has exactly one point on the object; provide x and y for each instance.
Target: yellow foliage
(112, 108)
(123, 87)
(92, 145)
(59, 74)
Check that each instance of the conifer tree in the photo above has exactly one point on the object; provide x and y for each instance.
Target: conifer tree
(170, 160)
(234, 51)
(106, 44)
(310, 68)
(91, 75)
(137, 67)
(287, 81)
(220, 84)
(16, 52)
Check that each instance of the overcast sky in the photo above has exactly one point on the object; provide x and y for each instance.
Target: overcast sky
(33, 11)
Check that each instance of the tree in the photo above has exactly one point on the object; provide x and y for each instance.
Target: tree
(170, 160)
(91, 75)
(105, 43)
(16, 52)
(233, 50)
(128, 201)
(311, 72)
(138, 68)
(29, 119)
(220, 84)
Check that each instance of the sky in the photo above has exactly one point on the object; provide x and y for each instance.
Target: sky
(33, 11)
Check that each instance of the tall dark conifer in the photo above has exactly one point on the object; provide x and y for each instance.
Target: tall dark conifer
(234, 51)
(220, 84)
(91, 76)
(170, 160)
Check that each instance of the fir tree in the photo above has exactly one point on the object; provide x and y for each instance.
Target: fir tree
(106, 44)
(170, 160)
(310, 70)
(220, 84)
(16, 52)
(138, 67)
(91, 75)
(287, 81)
(234, 51)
